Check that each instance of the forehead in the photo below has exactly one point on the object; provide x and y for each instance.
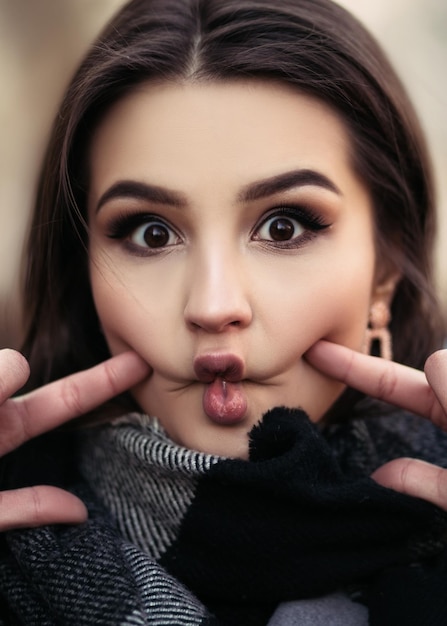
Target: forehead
(189, 135)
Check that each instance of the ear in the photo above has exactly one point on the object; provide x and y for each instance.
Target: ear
(385, 286)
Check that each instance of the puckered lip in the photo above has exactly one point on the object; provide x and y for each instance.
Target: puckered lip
(208, 367)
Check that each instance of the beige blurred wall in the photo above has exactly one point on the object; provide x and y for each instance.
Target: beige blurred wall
(414, 33)
(41, 41)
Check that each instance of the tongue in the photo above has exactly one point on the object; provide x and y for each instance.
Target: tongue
(224, 402)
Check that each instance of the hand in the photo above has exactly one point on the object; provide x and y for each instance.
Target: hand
(27, 416)
(410, 389)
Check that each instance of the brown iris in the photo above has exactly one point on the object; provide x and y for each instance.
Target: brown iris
(281, 229)
(156, 236)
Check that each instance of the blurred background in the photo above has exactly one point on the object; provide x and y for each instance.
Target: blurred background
(41, 42)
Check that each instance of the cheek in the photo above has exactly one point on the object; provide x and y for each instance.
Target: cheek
(128, 320)
(322, 304)
(349, 298)
(348, 320)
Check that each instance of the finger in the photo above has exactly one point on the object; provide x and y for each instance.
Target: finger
(415, 478)
(39, 506)
(394, 383)
(436, 373)
(14, 372)
(32, 414)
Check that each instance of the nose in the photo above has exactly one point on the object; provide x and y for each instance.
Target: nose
(217, 295)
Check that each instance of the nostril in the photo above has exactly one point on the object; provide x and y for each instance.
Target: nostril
(214, 325)
(216, 313)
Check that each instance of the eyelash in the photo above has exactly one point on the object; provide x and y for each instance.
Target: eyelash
(124, 225)
(310, 221)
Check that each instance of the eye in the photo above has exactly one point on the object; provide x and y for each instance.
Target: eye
(153, 235)
(280, 228)
(289, 227)
(143, 233)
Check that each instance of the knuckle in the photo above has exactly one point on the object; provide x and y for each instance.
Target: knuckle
(350, 366)
(405, 466)
(441, 486)
(111, 378)
(21, 508)
(15, 425)
(36, 505)
(386, 384)
(72, 398)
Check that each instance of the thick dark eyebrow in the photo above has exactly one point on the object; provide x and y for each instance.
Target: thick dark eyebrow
(253, 191)
(142, 191)
(285, 182)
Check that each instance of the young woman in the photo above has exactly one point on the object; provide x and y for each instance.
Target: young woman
(236, 204)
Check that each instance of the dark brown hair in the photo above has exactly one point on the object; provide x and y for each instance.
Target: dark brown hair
(314, 45)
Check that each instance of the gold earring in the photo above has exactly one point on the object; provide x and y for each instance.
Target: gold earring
(379, 318)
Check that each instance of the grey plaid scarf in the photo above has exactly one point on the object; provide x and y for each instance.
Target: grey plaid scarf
(172, 531)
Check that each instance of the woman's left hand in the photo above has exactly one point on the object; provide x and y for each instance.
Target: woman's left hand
(424, 393)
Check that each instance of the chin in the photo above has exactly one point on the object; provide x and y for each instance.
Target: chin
(226, 441)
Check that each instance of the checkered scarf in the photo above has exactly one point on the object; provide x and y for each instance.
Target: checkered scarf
(172, 531)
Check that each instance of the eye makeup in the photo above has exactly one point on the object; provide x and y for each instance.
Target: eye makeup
(143, 234)
(284, 227)
(288, 227)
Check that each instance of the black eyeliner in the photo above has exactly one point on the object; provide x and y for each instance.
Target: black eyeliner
(121, 226)
(305, 216)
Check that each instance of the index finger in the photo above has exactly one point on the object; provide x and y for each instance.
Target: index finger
(394, 383)
(50, 406)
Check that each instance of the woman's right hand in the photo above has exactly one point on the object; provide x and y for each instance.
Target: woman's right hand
(27, 416)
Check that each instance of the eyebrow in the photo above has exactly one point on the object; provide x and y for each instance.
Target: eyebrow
(284, 182)
(142, 191)
(253, 191)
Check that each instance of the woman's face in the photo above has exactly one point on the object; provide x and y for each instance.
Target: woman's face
(229, 233)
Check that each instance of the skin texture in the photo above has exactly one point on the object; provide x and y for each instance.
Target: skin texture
(222, 285)
(420, 392)
(53, 404)
(29, 415)
(227, 285)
